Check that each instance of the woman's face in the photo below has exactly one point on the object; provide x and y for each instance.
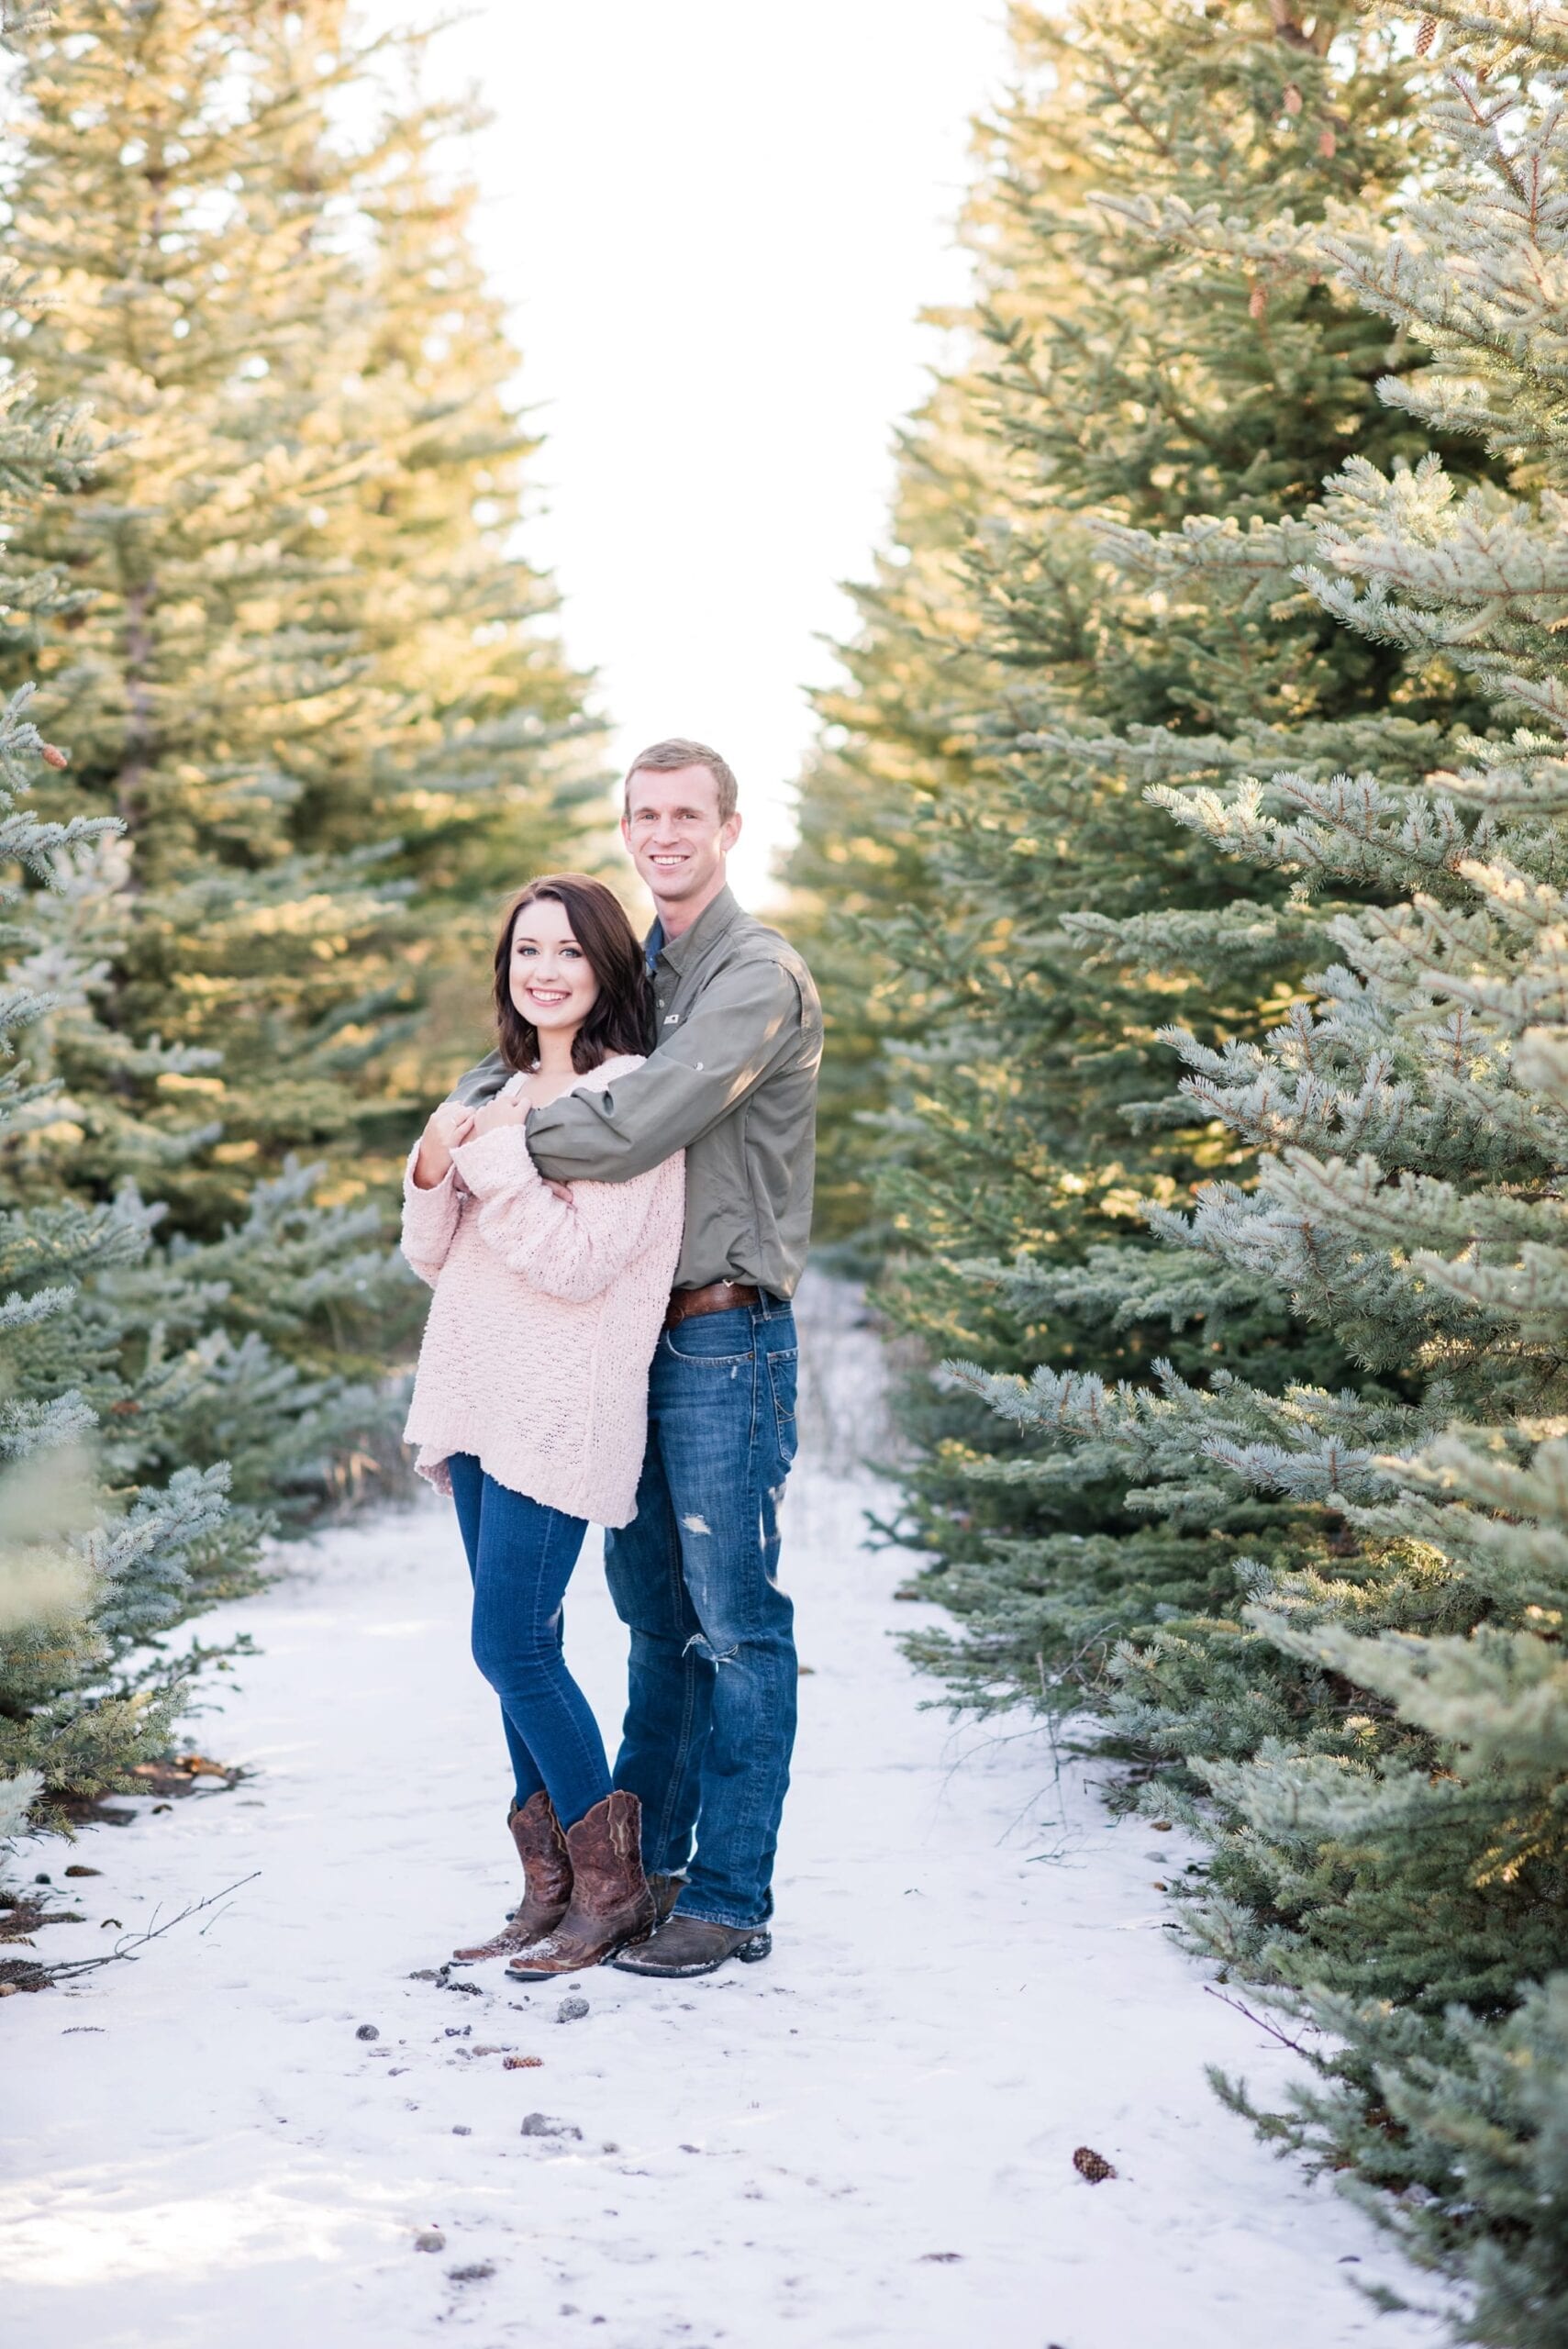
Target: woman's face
(552, 980)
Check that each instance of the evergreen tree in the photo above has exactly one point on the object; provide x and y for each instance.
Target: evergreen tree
(484, 764)
(902, 749)
(112, 1492)
(304, 669)
(897, 741)
(87, 1575)
(316, 721)
(491, 738)
(1120, 389)
(1373, 1730)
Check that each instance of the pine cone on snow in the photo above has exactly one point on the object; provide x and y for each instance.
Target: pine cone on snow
(1092, 2166)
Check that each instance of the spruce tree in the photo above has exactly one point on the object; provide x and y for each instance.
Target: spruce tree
(1122, 387)
(897, 742)
(88, 1572)
(484, 765)
(316, 722)
(170, 195)
(489, 758)
(1371, 1731)
(307, 670)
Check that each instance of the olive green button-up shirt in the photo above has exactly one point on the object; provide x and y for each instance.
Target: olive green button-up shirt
(731, 1080)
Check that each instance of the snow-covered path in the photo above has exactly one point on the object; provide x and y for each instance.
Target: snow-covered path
(867, 2140)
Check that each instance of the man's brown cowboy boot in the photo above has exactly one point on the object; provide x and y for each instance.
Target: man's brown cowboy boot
(611, 1905)
(666, 1891)
(688, 1945)
(547, 1880)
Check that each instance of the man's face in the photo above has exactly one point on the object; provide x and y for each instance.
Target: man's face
(672, 826)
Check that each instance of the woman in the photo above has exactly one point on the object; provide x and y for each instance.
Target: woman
(530, 1403)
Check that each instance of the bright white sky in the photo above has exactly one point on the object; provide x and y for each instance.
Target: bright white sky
(716, 224)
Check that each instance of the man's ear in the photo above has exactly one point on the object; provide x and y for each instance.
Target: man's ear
(730, 831)
(625, 829)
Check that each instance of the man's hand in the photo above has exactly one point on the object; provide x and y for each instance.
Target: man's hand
(446, 1127)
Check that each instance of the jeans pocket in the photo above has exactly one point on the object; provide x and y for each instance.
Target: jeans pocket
(716, 1338)
(781, 1369)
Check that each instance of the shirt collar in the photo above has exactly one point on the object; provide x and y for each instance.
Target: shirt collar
(712, 922)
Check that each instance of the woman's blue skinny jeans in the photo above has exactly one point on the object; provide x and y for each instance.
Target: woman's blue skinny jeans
(521, 1555)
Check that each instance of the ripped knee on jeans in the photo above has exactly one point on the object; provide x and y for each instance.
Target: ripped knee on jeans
(700, 1644)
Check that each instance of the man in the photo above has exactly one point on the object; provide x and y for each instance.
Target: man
(731, 1080)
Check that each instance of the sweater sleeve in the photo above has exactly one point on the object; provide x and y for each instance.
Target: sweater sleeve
(430, 1220)
(570, 1248)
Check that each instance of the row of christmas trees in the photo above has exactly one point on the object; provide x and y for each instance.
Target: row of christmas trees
(1187, 850)
(259, 485)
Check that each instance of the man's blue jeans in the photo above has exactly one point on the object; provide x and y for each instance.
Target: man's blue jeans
(710, 1721)
(521, 1554)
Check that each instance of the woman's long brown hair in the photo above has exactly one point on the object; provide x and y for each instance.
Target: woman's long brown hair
(622, 1016)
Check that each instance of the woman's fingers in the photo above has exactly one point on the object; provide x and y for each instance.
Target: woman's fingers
(452, 1120)
(500, 1113)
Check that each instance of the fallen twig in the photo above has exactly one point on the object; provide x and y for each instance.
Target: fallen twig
(129, 1944)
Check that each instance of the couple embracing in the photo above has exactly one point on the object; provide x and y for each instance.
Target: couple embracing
(613, 1211)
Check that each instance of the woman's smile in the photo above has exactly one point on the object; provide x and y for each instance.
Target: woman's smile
(550, 979)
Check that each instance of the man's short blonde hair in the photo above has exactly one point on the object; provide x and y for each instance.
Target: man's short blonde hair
(666, 758)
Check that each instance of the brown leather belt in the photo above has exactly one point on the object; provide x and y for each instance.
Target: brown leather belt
(719, 1296)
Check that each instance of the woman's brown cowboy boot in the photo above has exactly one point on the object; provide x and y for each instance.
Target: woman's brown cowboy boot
(547, 1880)
(611, 1905)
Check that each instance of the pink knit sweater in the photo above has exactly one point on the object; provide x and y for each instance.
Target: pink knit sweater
(546, 1314)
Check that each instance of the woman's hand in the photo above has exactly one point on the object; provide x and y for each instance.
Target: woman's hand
(509, 1108)
(500, 1113)
(447, 1126)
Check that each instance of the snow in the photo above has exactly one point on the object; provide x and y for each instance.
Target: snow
(867, 2138)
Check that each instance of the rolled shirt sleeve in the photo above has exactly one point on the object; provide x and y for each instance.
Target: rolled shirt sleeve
(744, 1025)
